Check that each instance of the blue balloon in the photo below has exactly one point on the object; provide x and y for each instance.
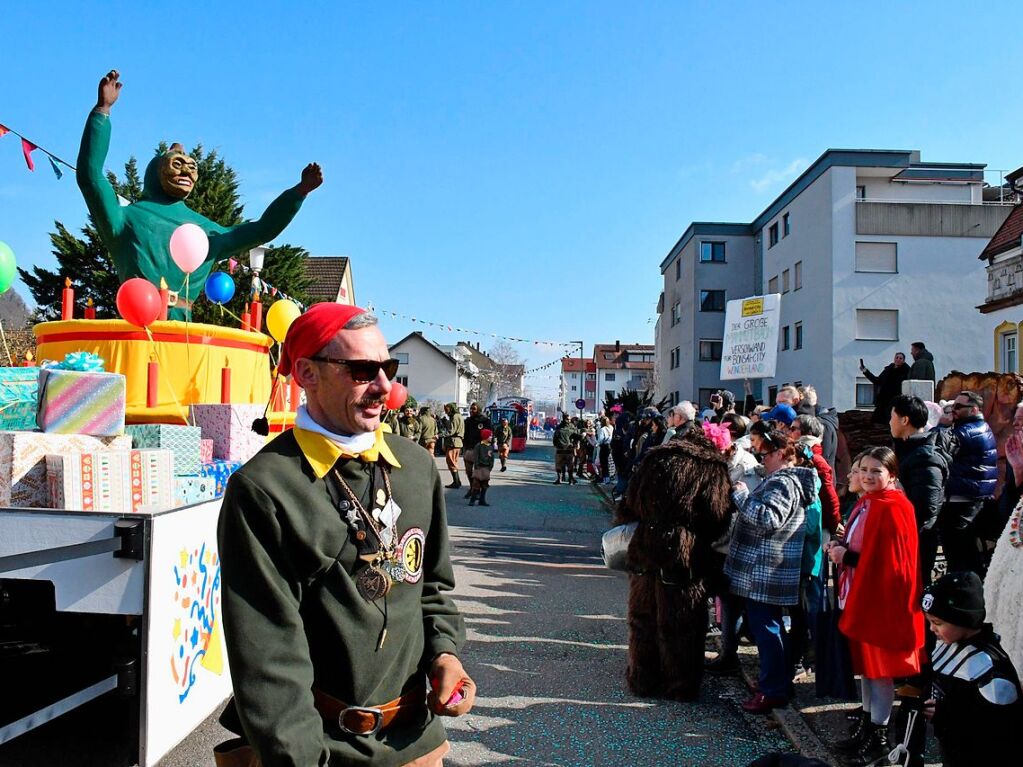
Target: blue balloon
(219, 288)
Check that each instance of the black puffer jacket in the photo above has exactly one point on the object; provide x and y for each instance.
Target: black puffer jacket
(923, 471)
(974, 470)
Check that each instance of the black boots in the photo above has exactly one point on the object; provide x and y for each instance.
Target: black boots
(875, 746)
(857, 735)
(455, 481)
(483, 497)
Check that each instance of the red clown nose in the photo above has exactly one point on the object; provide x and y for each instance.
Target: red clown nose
(397, 396)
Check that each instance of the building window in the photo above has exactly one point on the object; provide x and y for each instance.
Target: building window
(772, 235)
(591, 376)
(609, 377)
(785, 338)
(772, 394)
(864, 393)
(677, 399)
(712, 252)
(403, 380)
(799, 336)
(797, 275)
(1008, 353)
(610, 355)
(678, 267)
(712, 300)
(710, 351)
(877, 324)
(877, 257)
(574, 387)
(785, 281)
(772, 285)
(676, 357)
(676, 313)
(785, 228)
(861, 194)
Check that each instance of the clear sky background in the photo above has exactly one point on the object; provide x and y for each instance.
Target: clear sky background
(518, 168)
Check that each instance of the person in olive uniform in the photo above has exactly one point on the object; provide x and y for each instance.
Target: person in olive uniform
(339, 626)
(453, 436)
(427, 429)
(474, 424)
(483, 464)
(408, 424)
(503, 436)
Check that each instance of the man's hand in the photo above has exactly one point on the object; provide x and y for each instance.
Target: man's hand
(109, 90)
(836, 552)
(312, 177)
(447, 675)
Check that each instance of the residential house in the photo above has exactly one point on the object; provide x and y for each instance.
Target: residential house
(430, 372)
(330, 280)
(622, 366)
(1002, 307)
(578, 381)
(870, 251)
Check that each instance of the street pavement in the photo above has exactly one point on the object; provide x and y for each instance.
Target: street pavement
(547, 642)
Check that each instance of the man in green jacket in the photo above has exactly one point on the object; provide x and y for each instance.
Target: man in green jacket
(138, 235)
(340, 630)
(503, 436)
(427, 429)
(923, 363)
(564, 450)
(453, 437)
(408, 424)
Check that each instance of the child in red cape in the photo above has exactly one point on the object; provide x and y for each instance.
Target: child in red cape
(879, 591)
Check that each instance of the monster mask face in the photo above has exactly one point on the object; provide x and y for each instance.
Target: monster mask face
(178, 172)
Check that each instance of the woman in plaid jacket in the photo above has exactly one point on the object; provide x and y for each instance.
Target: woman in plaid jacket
(765, 556)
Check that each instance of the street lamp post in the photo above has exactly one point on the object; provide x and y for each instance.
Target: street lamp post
(582, 376)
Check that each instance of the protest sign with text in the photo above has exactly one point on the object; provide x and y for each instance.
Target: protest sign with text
(750, 345)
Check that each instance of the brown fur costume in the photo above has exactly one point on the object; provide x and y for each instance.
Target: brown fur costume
(679, 494)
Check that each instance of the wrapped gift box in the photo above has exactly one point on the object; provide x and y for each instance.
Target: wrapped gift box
(194, 489)
(19, 390)
(205, 450)
(23, 462)
(219, 472)
(230, 428)
(183, 441)
(73, 402)
(120, 481)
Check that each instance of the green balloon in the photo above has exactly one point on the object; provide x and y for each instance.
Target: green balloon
(8, 267)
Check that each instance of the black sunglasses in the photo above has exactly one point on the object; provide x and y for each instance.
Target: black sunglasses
(364, 371)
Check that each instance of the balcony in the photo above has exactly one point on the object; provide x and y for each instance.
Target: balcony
(921, 218)
(1004, 284)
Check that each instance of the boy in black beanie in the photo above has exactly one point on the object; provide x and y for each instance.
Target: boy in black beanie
(977, 708)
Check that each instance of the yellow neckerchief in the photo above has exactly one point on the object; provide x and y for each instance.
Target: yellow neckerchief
(322, 453)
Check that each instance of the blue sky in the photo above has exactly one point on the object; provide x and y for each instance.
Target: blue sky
(519, 168)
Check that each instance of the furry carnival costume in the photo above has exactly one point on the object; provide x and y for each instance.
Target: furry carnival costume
(679, 496)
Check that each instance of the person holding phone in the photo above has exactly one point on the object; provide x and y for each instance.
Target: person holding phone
(887, 386)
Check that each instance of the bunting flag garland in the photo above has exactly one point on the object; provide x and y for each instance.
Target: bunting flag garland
(259, 285)
(455, 329)
(28, 147)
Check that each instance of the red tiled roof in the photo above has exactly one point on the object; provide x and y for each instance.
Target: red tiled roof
(325, 274)
(574, 365)
(1008, 235)
(616, 362)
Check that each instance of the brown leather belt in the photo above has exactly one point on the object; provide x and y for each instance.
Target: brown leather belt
(368, 720)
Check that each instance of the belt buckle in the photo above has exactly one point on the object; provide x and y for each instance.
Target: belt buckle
(377, 723)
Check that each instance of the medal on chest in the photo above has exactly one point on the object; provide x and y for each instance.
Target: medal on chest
(373, 583)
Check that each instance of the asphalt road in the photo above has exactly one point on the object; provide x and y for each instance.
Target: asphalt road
(547, 647)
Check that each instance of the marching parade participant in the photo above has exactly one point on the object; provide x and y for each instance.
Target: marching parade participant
(340, 629)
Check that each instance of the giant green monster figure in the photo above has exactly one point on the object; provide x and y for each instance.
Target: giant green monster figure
(138, 235)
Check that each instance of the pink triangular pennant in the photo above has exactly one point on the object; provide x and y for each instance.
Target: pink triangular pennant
(27, 148)
(231, 265)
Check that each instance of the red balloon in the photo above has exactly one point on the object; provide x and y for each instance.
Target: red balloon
(139, 302)
(397, 396)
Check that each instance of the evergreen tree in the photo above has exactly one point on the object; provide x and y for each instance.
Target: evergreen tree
(86, 261)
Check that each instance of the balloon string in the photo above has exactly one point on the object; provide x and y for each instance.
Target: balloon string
(6, 349)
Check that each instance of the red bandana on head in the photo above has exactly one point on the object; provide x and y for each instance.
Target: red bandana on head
(313, 330)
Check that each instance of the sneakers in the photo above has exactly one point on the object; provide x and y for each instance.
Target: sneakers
(722, 666)
(763, 704)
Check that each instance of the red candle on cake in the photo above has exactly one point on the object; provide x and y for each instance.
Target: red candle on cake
(29, 360)
(67, 301)
(90, 310)
(295, 395)
(246, 321)
(257, 314)
(153, 384)
(225, 386)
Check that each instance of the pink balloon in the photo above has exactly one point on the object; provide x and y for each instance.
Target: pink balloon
(189, 247)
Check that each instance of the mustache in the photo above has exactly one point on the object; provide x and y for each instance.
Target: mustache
(371, 401)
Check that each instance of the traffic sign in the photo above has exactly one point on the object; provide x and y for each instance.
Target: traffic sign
(580, 403)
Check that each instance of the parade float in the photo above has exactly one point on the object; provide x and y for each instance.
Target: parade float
(115, 450)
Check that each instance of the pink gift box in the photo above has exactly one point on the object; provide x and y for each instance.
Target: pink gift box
(230, 428)
(205, 451)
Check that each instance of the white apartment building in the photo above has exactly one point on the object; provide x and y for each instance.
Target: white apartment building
(871, 250)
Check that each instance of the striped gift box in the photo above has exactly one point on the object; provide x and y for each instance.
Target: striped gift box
(71, 402)
(120, 481)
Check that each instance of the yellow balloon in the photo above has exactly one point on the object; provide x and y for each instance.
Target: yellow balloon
(279, 318)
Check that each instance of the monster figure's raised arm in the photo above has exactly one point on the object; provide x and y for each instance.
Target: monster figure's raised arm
(273, 221)
(99, 195)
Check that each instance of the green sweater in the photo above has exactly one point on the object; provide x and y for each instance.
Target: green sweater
(138, 235)
(294, 620)
(455, 433)
(427, 428)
